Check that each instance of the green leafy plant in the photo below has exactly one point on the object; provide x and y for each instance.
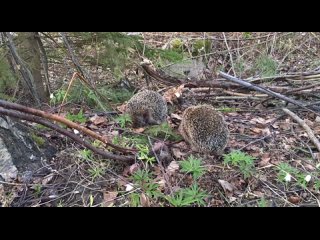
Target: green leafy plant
(143, 154)
(37, 188)
(192, 165)
(163, 131)
(77, 117)
(97, 171)
(188, 196)
(135, 199)
(143, 179)
(40, 141)
(266, 66)
(86, 154)
(57, 96)
(123, 120)
(286, 173)
(241, 160)
(262, 202)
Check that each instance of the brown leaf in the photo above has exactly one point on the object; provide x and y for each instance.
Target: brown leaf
(173, 167)
(158, 146)
(129, 170)
(173, 115)
(177, 153)
(265, 159)
(226, 185)
(294, 199)
(98, 120)
(108, 198)
(122, 108)
(47, 179)
(144, 200)
(138, 130)
(93, 126)
(256, 130)
(173, 94)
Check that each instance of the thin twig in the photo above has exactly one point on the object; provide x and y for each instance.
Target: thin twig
(302, 123)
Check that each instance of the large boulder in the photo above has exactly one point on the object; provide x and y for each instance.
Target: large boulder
(20, 157)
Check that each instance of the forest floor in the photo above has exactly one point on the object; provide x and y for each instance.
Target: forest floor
(270, 160)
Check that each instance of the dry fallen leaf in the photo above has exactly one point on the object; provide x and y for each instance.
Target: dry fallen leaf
(173, 167)
(145, 202)
(294, 199)
(138, 130)
(97, 120)
(122, 108)
(129, 170)
(177, 151)
(226, 185)
(173, 94)
(158, 146)
(173, 115)
(108, 198)
(47, 179)
(265, 160)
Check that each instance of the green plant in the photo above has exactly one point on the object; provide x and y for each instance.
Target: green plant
(8, 80)
(285, 171)
(123, 120)
(97, 171)
(143, 154)
(135, 199)
(188, 196)
(266, 66)
(77, 117)
(241, 160)
(57, 96)
(144, 180)
(192, 165)
(201, 46)
(37, 188)
(86, 154)
(38, 140)
(262, 202)
(163, 131)
(247, 34)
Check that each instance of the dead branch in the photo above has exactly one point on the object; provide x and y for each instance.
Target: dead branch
(265, 90)
(302, 123)
(54, 117)
(69, 134)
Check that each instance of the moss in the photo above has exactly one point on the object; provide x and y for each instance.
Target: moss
(38, 140)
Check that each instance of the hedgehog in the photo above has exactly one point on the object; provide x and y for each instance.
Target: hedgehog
(147, 108)
(204, 129)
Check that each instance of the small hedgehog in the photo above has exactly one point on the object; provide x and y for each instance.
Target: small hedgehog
(147, 108)
(204, 129)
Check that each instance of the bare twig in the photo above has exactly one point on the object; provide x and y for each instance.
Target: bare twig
(265, 90)
(302, 123)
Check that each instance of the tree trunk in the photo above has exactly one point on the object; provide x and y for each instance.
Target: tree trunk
(31, 55)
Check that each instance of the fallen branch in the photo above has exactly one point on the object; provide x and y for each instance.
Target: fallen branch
(69, 134)
(302, 123)
(54, 117)
(265, 90)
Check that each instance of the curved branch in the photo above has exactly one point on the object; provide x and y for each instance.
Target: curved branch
(71, 135)
(54, 117)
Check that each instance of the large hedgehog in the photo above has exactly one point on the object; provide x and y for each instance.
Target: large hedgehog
(204, 129)
(147, 108)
